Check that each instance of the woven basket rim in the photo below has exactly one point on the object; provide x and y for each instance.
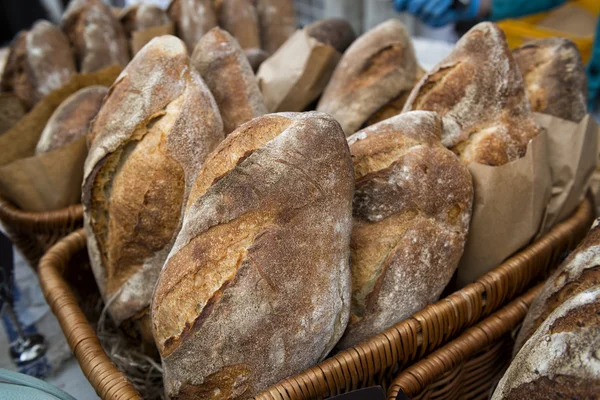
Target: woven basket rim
(26, 220)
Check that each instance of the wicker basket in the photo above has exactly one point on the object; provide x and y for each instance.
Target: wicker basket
(373, 362)
(33, 233)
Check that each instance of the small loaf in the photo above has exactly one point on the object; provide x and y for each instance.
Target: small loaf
(156, 126)
(240, 19)
(256, 57)
(411, 209)
(554, 77)
(142, 16)
(39, 62)
(228, 74)
(336, 32)
(580, 271)
(562, 358)
(376, 68)
(71, 120)
(257, 286)
(192, 19)
(277, 21)
(96, 35)
(480, 95)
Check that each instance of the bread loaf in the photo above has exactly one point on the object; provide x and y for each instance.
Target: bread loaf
(256, 57)
(580, 271)
(257, 286)
(277, 21)
(562, 358)
(154, 130)
(39, 62)
(479, 92)
(554, 77)
(96, 35)
(411, 209)
(376, 68)
(227, 73)
(142, 16)
(336, 32)
(71, 120)
(192, 19)
(240, 19)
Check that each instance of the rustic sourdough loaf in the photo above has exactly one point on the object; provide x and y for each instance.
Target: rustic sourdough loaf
(562, 358)
(277, 21)
(257, 286)
(336, 32)
(376, 68)
(96, 35)
(228, 74)
(580, 271)
(240, 19)
(192, 19)
(154, 130)
(39, 62)
(142, 16)
(479, 93)
(71, 120)
(554, 77)
(411, 209)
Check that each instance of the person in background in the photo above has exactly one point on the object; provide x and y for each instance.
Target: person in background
(438, 13)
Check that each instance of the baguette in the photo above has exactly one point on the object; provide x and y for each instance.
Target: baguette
(192, 19)
(277, 21)
(240, 19)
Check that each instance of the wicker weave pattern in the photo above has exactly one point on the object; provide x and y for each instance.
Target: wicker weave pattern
(33, 233)
(466, 367)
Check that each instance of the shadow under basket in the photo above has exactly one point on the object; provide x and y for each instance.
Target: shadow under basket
(33, 233)
(374, 362)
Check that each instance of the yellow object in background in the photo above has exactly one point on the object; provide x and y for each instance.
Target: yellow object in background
(575, 20)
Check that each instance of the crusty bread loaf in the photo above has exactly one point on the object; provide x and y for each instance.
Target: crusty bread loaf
(277, 21)
(39, 62)
(227, 73)
(580, 271)
(480, 95)
(71, 120)
(411, 209)
(256, 57)
(142, 16)
(240, 19)
(156, 126)
(376, 68)
(192, 19)
(554, 77)
(562, 358)
(257, 286)
(336, 32)
(96, 35)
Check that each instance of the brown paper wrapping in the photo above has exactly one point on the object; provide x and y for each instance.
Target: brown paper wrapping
(141, 37)
(508, 206)
(296, 74)
(573, 153)
(52, 180)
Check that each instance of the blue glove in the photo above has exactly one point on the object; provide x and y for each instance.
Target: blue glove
(438, 13)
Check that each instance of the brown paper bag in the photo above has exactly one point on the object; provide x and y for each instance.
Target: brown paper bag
(572, 153)
(508, 206)
(296, 74)
(52, 180)
(140, 38)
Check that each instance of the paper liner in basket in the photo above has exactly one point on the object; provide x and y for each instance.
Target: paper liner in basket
(296, 74)
(140, 38)
(53, 180)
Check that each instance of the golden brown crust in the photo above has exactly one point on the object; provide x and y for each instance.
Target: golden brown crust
(157, 125)
(227, 73)
(96, 35)
(72, 118)
(192, 19)
(253, 305)
(375, 69)
(411, 209)
(277, 21)
(142, 16)
(554, 77)
(240, 19)
(336, 32)
(479, 93)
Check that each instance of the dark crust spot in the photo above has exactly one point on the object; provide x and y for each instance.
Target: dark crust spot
(577, 318)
